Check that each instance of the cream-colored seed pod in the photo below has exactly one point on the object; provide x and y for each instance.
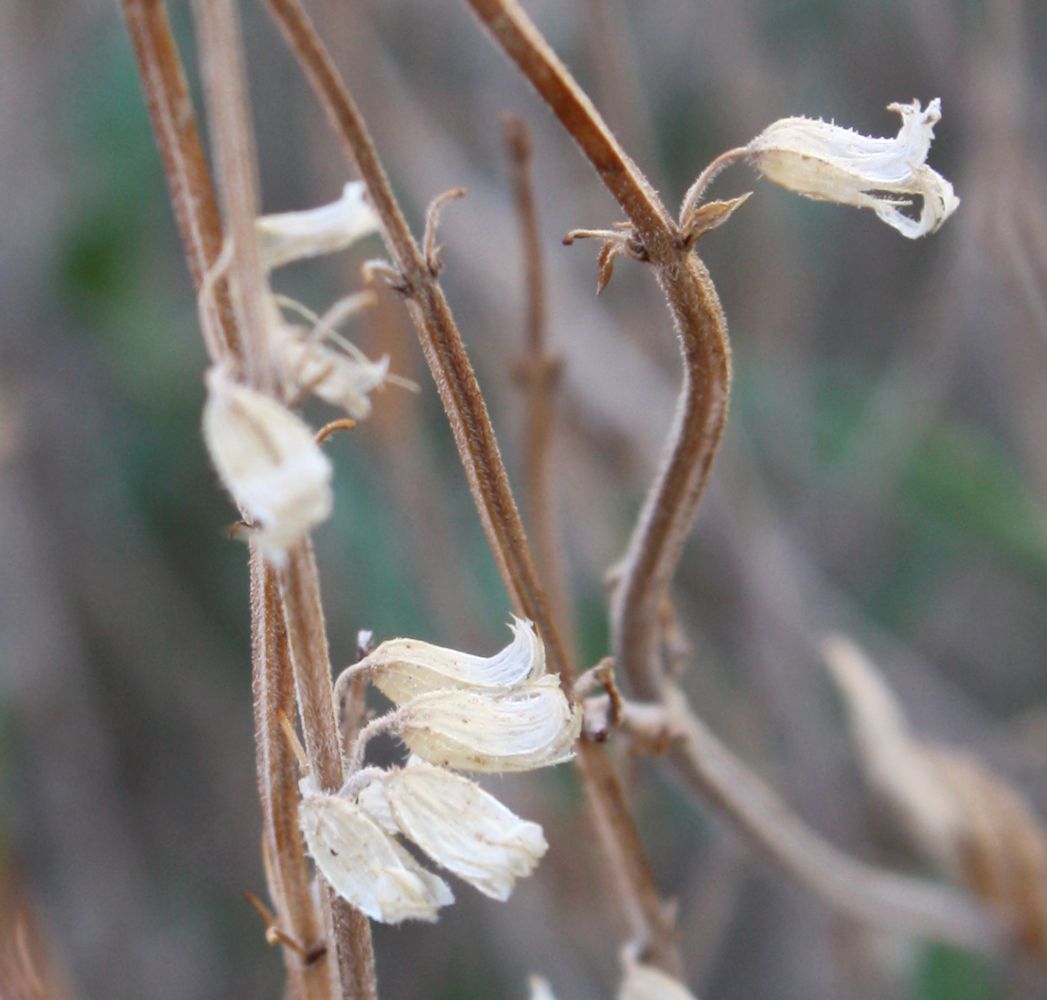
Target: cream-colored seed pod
(269, 461)
(459, 825)
(830, 163)
(531, 726)
(364, 865)
(403, 669)
(645, 982)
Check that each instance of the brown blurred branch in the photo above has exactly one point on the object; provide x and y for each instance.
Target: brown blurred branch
(669, 513)
(538, 373)
(866, 893)
(474, 436)
(225, 90)
(672, 503)
(182, 152)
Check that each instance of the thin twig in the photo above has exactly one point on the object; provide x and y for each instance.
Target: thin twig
(225, 92)
(539, 375)
(672, 503)
(290, 884)
(195, 204)
(866, 893)
(182, 152)
(474, 437)
(307, 639)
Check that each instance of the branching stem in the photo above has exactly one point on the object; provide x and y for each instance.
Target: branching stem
(485, 471)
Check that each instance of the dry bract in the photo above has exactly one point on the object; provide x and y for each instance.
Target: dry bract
(364, 865)
(269, 462)
(459, 825)
(831, 163)
(532, 726)
(291, 236)
(402, 669)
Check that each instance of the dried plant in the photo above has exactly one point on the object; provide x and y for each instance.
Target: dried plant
(336, 825)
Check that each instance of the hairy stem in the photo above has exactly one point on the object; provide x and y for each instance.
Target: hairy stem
(672, 503)
(290, 883)
(182, 152)
(196, 209)
(485, 471)
(225, 89)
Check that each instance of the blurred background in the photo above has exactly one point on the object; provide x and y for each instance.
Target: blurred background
(884, 473)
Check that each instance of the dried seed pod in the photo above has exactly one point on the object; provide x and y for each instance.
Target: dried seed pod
(531, 726)
(269, 462)
(402, 669)
(970, 822)
(459, 825)
(830, 163)
(291, 236)
(364, 865)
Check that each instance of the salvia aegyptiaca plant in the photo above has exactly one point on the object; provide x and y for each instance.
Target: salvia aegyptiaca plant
(352, 837)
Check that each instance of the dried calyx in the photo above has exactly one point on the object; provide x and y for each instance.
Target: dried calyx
(456, 711)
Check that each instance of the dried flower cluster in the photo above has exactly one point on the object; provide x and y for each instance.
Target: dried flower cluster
(455, 711)
(266, 456)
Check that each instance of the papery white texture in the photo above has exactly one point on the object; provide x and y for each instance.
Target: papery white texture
(268, 459)
(831, 163)
(645, 982)
(341, 379)
(459, 825)
(898, 766)
(402, 669)
(365, 865)
(533, 725)
(290, 236)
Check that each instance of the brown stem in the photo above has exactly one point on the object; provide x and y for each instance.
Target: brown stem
(672, 503)
(474, 436)
(289, 878)
(225, 90)
(195, 205)
(182, 152)
(539, 375)
(865, 893)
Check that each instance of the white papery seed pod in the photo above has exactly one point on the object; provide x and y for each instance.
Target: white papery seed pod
(269, 461)
(830, 163)
(291, 236)
(540, 989)
(459, 825)
(531, 726)
(338, 379)
(365, 865)
(403, 669)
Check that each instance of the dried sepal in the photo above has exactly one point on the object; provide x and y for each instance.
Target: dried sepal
(457, 824)
(644, 982)
(402, 669)
(531, 726)
(364, 864)
(969, 821)
(291, 236)
(831, 163)
(269, 462)
(711, 215)
(609, 251)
